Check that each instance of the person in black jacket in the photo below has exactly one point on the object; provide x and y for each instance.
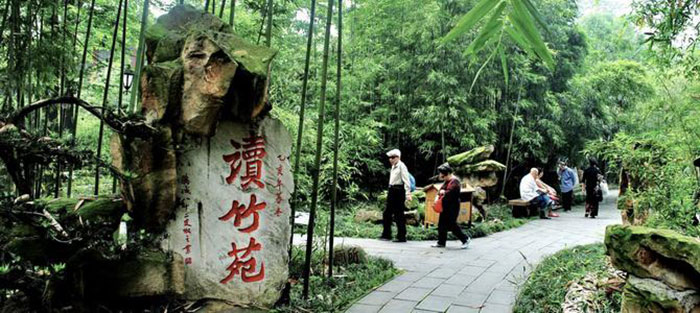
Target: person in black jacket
(591, 178)
(449, 192)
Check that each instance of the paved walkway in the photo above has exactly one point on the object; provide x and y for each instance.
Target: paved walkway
(483, 278)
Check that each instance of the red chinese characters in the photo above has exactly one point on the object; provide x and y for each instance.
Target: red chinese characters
(248, 157)
(239, 212)
(187, 230)
(245, 268)
(250, 154)
(279, 185)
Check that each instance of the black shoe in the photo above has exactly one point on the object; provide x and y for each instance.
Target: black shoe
(437, 245)
(399, 240)
(384, 238)
(586, 215)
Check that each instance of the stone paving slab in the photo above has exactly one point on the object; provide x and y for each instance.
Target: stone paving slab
(483, 278)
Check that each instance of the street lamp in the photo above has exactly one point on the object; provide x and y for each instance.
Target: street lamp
(128, 79)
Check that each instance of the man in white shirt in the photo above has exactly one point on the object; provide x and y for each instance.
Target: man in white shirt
(532, 192)
(399, 192)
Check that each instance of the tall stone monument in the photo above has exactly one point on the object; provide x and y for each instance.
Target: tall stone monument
(215, 184)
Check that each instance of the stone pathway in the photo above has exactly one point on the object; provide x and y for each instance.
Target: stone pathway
(483, 278)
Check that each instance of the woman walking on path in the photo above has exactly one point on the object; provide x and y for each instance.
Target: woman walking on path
(449, 195)
(591, 178)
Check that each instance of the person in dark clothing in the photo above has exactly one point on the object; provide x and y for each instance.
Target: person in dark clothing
(450, 208)
(591, 178)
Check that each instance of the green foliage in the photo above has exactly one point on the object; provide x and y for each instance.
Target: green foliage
(659, 142)
(335, 294)
(545, 288)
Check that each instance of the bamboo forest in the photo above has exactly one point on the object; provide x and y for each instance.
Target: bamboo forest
(350, 156)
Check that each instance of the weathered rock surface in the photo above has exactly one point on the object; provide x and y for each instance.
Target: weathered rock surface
(221, 70)
(344, 255)
(363, 216)
(647, 295)
(483, 166)
(161, 91)
(654, 253)
(482, 179)
(149, 273)
(150, 195)
(472, 156)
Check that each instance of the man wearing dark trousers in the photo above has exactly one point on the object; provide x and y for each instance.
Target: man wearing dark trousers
(449, 194)
(399, 192)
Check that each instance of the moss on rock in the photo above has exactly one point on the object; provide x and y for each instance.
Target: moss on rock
(655, 253)
(472, 156)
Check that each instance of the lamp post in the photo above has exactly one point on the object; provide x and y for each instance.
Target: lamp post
(128, 79)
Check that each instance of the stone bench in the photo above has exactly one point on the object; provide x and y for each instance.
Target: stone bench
(521, 208)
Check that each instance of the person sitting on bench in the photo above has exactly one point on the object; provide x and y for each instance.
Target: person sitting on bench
(531, 192)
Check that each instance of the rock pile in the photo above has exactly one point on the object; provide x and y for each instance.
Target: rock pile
(475, 167)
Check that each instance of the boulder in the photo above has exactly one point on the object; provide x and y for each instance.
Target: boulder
(659, 254)
(646, 295)
(363, 216)
(346, 255)
(471, 156)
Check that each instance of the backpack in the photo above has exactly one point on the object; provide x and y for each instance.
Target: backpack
(413, 182)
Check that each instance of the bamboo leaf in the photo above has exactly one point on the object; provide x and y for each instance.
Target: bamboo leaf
(519, 40)
(467, 22)
(504, 64)
(493, 26)
(536, 14)
(524, 24)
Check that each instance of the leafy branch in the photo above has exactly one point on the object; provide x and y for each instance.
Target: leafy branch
(517, 18)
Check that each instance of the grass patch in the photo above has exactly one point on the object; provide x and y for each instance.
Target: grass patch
(336, 294)
(499, 219)
(545, 289)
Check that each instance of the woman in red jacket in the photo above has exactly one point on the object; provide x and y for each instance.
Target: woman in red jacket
(449, 193)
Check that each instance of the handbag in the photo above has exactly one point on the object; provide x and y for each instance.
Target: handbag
(438, 205)
(599, 194)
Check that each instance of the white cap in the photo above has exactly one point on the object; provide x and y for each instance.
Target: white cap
(394, 152)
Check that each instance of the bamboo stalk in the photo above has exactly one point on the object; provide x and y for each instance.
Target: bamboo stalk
(300, 130)
(319, 146)
(221, 11)
(233, 13)
(336, 138)
(121, 76)
(139, 57)
(105, 96)
(61, 110)
(80, 89)
(268, 32)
